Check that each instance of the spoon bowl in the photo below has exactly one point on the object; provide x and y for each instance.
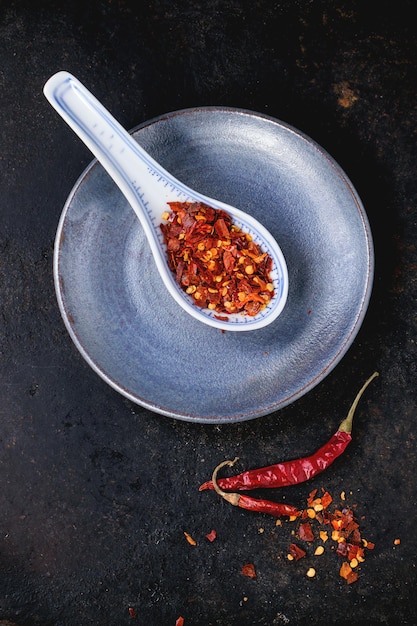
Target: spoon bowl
(148, 187)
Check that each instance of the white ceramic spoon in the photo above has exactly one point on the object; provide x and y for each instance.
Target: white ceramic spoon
(148, 187)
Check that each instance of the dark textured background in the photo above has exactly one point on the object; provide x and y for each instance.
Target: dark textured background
(96, 492)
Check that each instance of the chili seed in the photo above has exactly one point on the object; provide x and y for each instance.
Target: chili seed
(311, 572)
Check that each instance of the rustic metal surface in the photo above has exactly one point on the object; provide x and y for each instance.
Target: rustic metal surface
(95, 492)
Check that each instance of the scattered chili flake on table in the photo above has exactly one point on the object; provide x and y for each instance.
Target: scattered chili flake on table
(214, 261)
(298, 470)
(180, 621)
(132, 612)
(305, 532)
(249, 570)
(345, 532)
(190, 540)
(347, 573)
(295, 552)
(211, 536)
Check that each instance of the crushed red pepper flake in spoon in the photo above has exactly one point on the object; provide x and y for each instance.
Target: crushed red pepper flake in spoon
(214, 261)
(298, 470)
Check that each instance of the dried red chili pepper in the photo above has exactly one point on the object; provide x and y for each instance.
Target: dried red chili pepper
(215, 262)
(298, 470)
(252, 504)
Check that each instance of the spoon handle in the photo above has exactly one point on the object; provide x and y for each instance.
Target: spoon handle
(140, 178)
(148, 187)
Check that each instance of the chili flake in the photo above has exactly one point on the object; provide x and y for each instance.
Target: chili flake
(347, 573)
(305, 532)
(190, 540)
(350, 545)
(214, 261)
(211, 536)
(249, 570)
(296, 553)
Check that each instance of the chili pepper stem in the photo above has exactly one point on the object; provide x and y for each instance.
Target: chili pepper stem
(232, 498)
(346, 425)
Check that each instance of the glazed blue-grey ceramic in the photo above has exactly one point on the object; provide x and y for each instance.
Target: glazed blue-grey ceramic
(131, 331)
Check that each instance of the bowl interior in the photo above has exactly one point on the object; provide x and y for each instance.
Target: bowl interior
(136, 337)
